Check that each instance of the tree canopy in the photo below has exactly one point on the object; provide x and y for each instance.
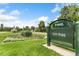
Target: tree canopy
(70, 12)
(42, 26)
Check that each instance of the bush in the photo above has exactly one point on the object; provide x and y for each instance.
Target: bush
(37, 30)
(26, 33)
(14, 30)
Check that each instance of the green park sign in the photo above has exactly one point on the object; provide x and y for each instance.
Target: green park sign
(63, 33)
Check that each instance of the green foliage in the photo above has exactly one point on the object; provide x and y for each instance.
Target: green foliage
(4, 35)
(26, 48)
(33, 28)
(46, 28)
(38, 35)
(26, 33)
(70, 12)
(27, 28)
(42, 26)
(1, 27)
(14, 30)
(18, 29)
(37, 29)
(7, 29)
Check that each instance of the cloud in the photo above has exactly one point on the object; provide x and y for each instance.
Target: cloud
(17, 21)
(30, 23)
(56, 17)
(22, 24)
(15, 13)
(56, 9)
(7, 18)
(10, 18)
(2, 11)
(13, 23)
(67, 4)
(43, 18)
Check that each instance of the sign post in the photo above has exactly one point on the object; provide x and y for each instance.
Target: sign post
(77, 38)
(48, 36)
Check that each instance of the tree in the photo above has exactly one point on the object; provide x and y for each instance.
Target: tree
(2, 26)
(26, 28)
(7, 28)
(42, 26)
(18, 29)
(33, 28)
(14, 30)
(70, 12)
(37, 29)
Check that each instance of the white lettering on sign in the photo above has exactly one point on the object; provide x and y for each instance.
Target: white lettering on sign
(59, 24)
(59, 34)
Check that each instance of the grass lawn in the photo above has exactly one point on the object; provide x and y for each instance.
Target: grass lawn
(25, 48)
(4, 35)
(28, 47)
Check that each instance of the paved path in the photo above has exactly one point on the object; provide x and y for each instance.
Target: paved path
(60, 50)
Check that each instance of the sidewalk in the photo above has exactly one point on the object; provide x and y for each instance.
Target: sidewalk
(60, 50)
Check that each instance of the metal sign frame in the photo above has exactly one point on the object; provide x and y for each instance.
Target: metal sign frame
(63, 23)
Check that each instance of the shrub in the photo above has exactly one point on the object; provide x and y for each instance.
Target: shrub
(14, 30)
(26, 33)
(37, 30)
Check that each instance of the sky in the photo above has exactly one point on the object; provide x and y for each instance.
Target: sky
(28, 14)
